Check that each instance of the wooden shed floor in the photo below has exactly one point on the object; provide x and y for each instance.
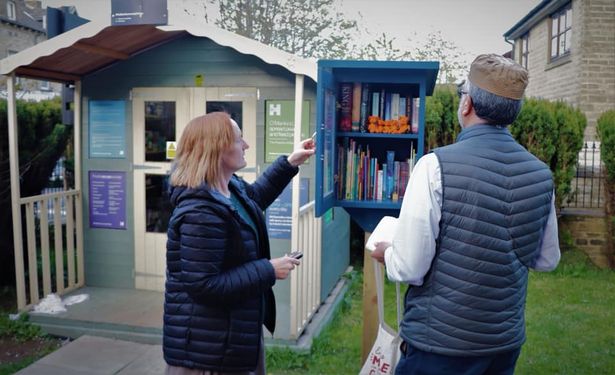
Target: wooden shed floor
(125, 314)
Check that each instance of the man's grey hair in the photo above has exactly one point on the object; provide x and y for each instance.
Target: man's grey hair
(494, 109)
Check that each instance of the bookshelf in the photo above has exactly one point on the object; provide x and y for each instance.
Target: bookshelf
(370, 132)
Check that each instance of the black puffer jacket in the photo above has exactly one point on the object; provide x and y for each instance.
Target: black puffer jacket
(218, 289)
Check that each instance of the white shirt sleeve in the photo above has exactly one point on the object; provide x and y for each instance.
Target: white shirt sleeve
(549, 253)
(414, 242)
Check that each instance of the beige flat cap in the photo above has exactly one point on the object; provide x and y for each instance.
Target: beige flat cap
(499, 75)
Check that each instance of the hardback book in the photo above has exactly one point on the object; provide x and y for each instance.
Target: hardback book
(356, 106)
(416, 102)
(376, 103)
(365, 107)
(402, 106)
(345, 100)
(394, 106)
(390, 175)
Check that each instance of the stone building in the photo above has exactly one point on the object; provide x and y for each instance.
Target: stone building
(22, 25)
(569, 49)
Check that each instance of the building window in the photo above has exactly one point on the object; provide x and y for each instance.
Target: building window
(524, 50)
(44, 86)
(10, 11)
(561, 32)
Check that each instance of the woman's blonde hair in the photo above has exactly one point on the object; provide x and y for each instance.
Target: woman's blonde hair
(200, 149)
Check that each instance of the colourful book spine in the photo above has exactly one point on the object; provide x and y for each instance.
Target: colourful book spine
(364, 107)
(356, 106)
(390, 174)
(375, 104)
(381, 107)
(379, 186)
(394, 106)
(416, 102)
(345, 100)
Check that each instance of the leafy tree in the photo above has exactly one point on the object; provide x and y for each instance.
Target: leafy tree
(450, 56)
(441, 123)
(42, 140)
(316, 29)
(308, 28)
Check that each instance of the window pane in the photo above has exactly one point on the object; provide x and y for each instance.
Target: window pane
(157, 205)
(562, 23)
(554, 26)
(235, 109)
(569, 18)
(159, 128)
(568, 41)
(562, 45)
(553, 47)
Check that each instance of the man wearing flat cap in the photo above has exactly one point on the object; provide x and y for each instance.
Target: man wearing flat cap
(477, 215)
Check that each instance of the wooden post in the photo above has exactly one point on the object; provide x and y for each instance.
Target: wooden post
(78, 187)
(20, 281)
(370, 304)
(295, 309)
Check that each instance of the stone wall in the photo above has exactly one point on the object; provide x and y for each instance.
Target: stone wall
(559, 80)
(586, 77)
(589, 230)
(597, 93)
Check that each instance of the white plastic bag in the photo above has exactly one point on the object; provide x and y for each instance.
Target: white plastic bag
(385, 353)
(53, 304)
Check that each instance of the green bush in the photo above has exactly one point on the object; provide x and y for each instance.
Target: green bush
(441, 124)
(553, 131)
(606, 132)
(19, 329)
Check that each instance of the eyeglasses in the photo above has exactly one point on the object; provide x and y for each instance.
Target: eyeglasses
(460, 89)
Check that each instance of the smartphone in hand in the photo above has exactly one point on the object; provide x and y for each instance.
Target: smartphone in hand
(296, 254)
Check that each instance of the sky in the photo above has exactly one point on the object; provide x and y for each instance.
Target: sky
(474, 26)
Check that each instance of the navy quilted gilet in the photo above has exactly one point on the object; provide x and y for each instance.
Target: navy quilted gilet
(496, 201)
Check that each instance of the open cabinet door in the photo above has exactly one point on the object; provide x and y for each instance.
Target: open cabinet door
(325, 140)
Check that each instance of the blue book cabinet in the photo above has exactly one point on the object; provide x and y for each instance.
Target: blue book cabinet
(410, 79)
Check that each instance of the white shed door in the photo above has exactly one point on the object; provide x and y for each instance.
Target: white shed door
(159, 116)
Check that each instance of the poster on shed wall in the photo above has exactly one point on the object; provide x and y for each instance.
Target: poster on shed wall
(279, 214)
(279, 127)
(107, 199)
(107, 129)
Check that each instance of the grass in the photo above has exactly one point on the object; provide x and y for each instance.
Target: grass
(25, 341)
(570, 320)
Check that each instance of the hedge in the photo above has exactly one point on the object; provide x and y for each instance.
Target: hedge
(606, 133)
(553, 131)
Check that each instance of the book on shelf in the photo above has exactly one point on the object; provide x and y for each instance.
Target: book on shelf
(365, 107)
(365, 177)
(361, 105)
(356, 106)
(345, 101)
(414, 123)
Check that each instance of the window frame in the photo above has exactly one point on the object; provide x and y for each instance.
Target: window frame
(11, 10)
(560, 35)
(524, 50)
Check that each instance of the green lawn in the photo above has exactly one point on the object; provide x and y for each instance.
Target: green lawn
(570, 326)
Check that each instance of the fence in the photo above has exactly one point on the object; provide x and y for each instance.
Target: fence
(55, 236)
(305, 280)
(587, 190)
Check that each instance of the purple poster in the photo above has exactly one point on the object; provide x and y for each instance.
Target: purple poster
(107, 199)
